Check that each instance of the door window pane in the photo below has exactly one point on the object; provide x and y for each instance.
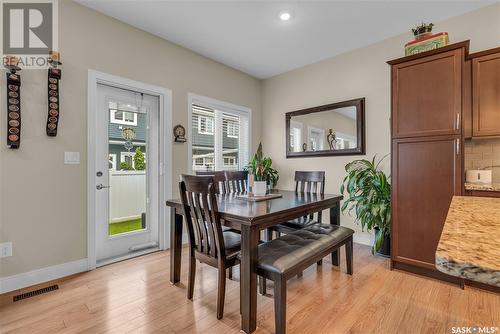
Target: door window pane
(127, 172)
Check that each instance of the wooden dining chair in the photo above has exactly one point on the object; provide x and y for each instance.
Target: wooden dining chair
(208, 243)
(306, 183)
(236, 181)
(219, 180)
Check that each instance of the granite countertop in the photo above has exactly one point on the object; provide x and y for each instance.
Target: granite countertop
(469, 246)
(482, 186)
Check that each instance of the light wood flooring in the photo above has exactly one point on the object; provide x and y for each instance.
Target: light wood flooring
(136, 296)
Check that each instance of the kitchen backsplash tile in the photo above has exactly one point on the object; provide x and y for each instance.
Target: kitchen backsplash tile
(483, 153)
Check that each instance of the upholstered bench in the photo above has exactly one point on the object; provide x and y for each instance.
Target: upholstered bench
(282, 258)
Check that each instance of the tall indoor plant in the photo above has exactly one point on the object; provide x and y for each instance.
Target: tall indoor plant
(369, 196)
(264, 173)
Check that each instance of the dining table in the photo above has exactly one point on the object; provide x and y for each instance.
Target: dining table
(251, 217)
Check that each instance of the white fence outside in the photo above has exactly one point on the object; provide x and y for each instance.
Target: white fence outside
(127, 195)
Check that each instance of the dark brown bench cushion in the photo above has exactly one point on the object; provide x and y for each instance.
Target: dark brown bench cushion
(286, 252)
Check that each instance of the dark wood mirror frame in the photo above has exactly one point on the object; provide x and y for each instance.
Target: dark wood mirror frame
(360, 129)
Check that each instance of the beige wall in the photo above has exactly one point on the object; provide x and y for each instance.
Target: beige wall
(360, 73)
(43, 202)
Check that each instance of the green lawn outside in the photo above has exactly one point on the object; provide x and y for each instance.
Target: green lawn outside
(126, 226)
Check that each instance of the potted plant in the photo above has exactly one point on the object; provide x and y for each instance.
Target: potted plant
(263, 172)
(369, 196)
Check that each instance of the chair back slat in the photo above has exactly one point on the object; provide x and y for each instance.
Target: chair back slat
(310, 183)
(202, 216)
(219, 180)
(236, 182)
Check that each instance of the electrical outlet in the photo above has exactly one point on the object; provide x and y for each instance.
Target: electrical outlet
(5, 249)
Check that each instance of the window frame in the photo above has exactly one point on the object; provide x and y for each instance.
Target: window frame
(234, 127)
(112, 157)
(123, 154)
(206, 118)
(112, 117)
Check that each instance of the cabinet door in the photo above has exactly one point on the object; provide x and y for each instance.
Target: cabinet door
(427, 95)
(425, 177)
(486, 95)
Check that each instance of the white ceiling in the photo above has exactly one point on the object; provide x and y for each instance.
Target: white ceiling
(247, 35)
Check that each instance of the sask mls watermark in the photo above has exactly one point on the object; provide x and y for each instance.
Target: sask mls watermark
(29, 31)
(474, 330)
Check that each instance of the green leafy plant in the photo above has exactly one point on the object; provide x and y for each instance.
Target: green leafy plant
(139, 161)
(262, 168)
(369, 196)
(125, 166)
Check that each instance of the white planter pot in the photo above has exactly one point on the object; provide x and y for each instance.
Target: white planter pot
(259, 188)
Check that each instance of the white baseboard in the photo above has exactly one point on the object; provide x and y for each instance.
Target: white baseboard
(363, 238)
(19, 281)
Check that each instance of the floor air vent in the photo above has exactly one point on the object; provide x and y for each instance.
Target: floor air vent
(36, 292)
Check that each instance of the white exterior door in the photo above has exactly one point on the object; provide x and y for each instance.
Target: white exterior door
(127, 174)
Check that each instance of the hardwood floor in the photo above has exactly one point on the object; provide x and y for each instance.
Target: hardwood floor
(136, 296)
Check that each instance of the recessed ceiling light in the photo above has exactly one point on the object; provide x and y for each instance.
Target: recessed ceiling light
(285, 15)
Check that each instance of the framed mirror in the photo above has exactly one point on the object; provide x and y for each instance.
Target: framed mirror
(329, 130)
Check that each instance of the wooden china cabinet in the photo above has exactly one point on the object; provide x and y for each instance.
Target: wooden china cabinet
(427, 152)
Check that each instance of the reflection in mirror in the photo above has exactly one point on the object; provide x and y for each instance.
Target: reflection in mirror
(327, 130)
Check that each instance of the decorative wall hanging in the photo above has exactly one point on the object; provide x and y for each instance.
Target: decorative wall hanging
(129, 135)
(13, 103)
(54, 110)
(180, 133)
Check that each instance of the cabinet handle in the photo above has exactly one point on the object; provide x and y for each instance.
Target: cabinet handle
(458, 146)
(457, 122)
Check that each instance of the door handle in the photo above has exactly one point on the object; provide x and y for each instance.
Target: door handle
(457, 122)
(100, 186)
(458, 146)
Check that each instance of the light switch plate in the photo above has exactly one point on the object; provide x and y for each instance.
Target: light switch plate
(5, 249)
(71, 158)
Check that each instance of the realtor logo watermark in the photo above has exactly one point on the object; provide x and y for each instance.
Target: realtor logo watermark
(29, 31)
(474, 330)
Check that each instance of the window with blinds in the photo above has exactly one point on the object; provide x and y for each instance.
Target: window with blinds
(219, 138)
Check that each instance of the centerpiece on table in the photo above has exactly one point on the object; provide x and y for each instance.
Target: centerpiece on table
(369, 196)
(264, 175)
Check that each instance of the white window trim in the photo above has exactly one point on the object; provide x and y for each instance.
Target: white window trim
(200, 117)
(234, 132)
(112, 118)
(222, 106)
(113, 155)
(124, 154)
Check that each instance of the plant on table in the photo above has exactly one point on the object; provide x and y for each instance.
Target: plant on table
(261, 168)
(369, 196)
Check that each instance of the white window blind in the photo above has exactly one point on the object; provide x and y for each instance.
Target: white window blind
(219, 138)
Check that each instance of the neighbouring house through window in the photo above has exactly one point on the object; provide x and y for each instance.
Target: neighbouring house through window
(219, 136)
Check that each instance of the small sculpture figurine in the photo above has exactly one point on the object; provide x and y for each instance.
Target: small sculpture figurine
(304, 147)
(331, 138)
